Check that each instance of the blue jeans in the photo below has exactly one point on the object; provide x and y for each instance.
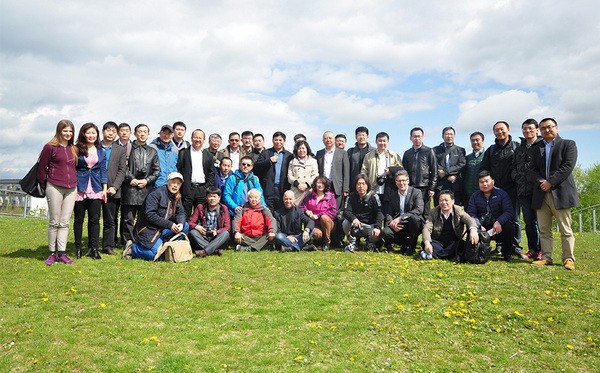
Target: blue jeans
(531, 224)
(282, 239)
(141, 252)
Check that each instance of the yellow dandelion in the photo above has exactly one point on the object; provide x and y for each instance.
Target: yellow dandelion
(351, 358)
(548, 292)
(550, 319)
(102, 305)
(498, 330)
(467, 333)
(28, 331)
(496, 301)
(299, 358)
(440, 275)
(590, 312)
(400, 307)
(569, 347)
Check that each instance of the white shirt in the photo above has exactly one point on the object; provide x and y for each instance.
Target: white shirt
(235, 159)
(328, 163)
(197, 167)
(402, 201)
(381, 166)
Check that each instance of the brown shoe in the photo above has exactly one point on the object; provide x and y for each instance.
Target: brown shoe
(569, 264)
(542, 262)
(108, 251)
(200, 253)
(218, 252)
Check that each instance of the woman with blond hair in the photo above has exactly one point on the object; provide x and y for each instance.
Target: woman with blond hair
(57, 174)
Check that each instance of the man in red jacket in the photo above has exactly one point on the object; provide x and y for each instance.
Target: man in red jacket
(253, 226)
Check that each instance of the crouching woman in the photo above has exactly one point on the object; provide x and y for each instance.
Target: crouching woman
(445, 227)
(162, 217)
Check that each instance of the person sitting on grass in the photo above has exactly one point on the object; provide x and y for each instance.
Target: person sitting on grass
(162, 216)
(253, 225)
(291, 236)
(209, 225)
(362, 215)
(238, 185)
(443, 232)
(320, 206)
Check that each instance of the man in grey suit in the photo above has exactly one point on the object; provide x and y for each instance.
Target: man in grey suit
(554, 191)
(116, 161)
(333, 163)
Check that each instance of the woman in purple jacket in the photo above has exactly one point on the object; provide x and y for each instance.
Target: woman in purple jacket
(320, 205)
(91, 188)
(56, 173)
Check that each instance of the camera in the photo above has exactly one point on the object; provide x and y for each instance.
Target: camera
(210, 232)
(487, 220)
(381, 179)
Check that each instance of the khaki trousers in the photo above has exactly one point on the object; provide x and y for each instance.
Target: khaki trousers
(563, 219)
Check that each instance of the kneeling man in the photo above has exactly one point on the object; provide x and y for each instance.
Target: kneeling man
(291, 236)
(253, 225)
(210, 225)
(162, 217)
(404, 219)
(445, 227)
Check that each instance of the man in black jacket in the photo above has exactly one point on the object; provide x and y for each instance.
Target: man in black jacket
(404, 220)
(499, 160)
(294, 228)
(161, 218)
(273, 167)
(451, 159)
(420, 163)
(142, 172)
(196, 166)
(357, 153)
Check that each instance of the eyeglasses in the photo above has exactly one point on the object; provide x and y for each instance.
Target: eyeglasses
(246, 164)
(547, 128)
(234, 140)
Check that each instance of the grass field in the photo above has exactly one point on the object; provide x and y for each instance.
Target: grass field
(317, 311)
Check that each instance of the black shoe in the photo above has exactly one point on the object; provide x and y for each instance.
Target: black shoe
(309, 247)
(109, 251)
(325, 247)
(218, 252)
(200, 253)
(78, 253)
(93, 253)
(409, 252)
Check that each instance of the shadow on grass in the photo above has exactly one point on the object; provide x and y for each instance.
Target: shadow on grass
(39, 253)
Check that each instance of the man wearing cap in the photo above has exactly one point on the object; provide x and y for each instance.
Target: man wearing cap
(167, 154)
(162, 217)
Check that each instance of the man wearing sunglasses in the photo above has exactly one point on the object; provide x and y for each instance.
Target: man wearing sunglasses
(237, 186)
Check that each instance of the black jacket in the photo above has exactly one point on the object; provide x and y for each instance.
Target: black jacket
(160, 210)
(523, 159)
(457, 160)
(499, 161)
(413, 205)
(267, 179)
(366, 209)
(184, 165)
(143, 164)
(356, 156)
(289, 221)
(422, 168)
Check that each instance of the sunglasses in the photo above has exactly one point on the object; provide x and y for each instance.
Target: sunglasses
(247, 164)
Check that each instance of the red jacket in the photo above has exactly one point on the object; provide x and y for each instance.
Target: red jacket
(254, 222)
(199, 218)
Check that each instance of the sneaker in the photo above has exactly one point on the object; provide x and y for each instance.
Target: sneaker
(286, 249)
(63, 258)
(542, 262)
(127, 253)
(425, 255)
(52, 258)
(539, 256)
(529, 255)
(389, 247)
(242, 248)
(350, 247)
(325, 247)
(200, 253)
(569, 264)
(371, 246)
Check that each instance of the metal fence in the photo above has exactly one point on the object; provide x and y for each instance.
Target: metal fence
(19, 203)
(584, 219)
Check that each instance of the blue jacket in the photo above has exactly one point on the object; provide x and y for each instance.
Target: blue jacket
(160, 210)
(97, 173)
(234, 190)
(500, 206)
(167, 158)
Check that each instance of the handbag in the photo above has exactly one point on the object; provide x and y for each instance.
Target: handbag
(29, 184)
(176, 250)
(476, 254)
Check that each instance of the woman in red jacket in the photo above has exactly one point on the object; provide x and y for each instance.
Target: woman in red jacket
(57, 174)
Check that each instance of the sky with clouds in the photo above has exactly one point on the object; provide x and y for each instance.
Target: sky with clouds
(298, 66)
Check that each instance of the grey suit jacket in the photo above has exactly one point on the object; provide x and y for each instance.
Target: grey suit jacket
(340, 170)
(563, 159)
(117, 167)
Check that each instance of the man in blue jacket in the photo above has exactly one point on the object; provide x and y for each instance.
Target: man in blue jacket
(491, 208)
(168, 154)
(161, 218)
(237, 186)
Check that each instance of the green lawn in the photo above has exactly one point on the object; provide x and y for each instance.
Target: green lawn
(319, 311)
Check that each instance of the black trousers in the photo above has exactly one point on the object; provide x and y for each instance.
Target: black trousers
(93, 207)
(129, 213)
(196, 196)
(109, 221)
(407, 237)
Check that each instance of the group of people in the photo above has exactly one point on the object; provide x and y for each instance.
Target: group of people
(252, 196)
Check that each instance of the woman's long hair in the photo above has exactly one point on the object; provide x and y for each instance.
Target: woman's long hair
(81, 140)
(55, 141)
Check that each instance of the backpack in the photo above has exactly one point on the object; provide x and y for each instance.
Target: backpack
(476, 254)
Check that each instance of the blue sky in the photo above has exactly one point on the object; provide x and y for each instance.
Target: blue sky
(298, 66)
